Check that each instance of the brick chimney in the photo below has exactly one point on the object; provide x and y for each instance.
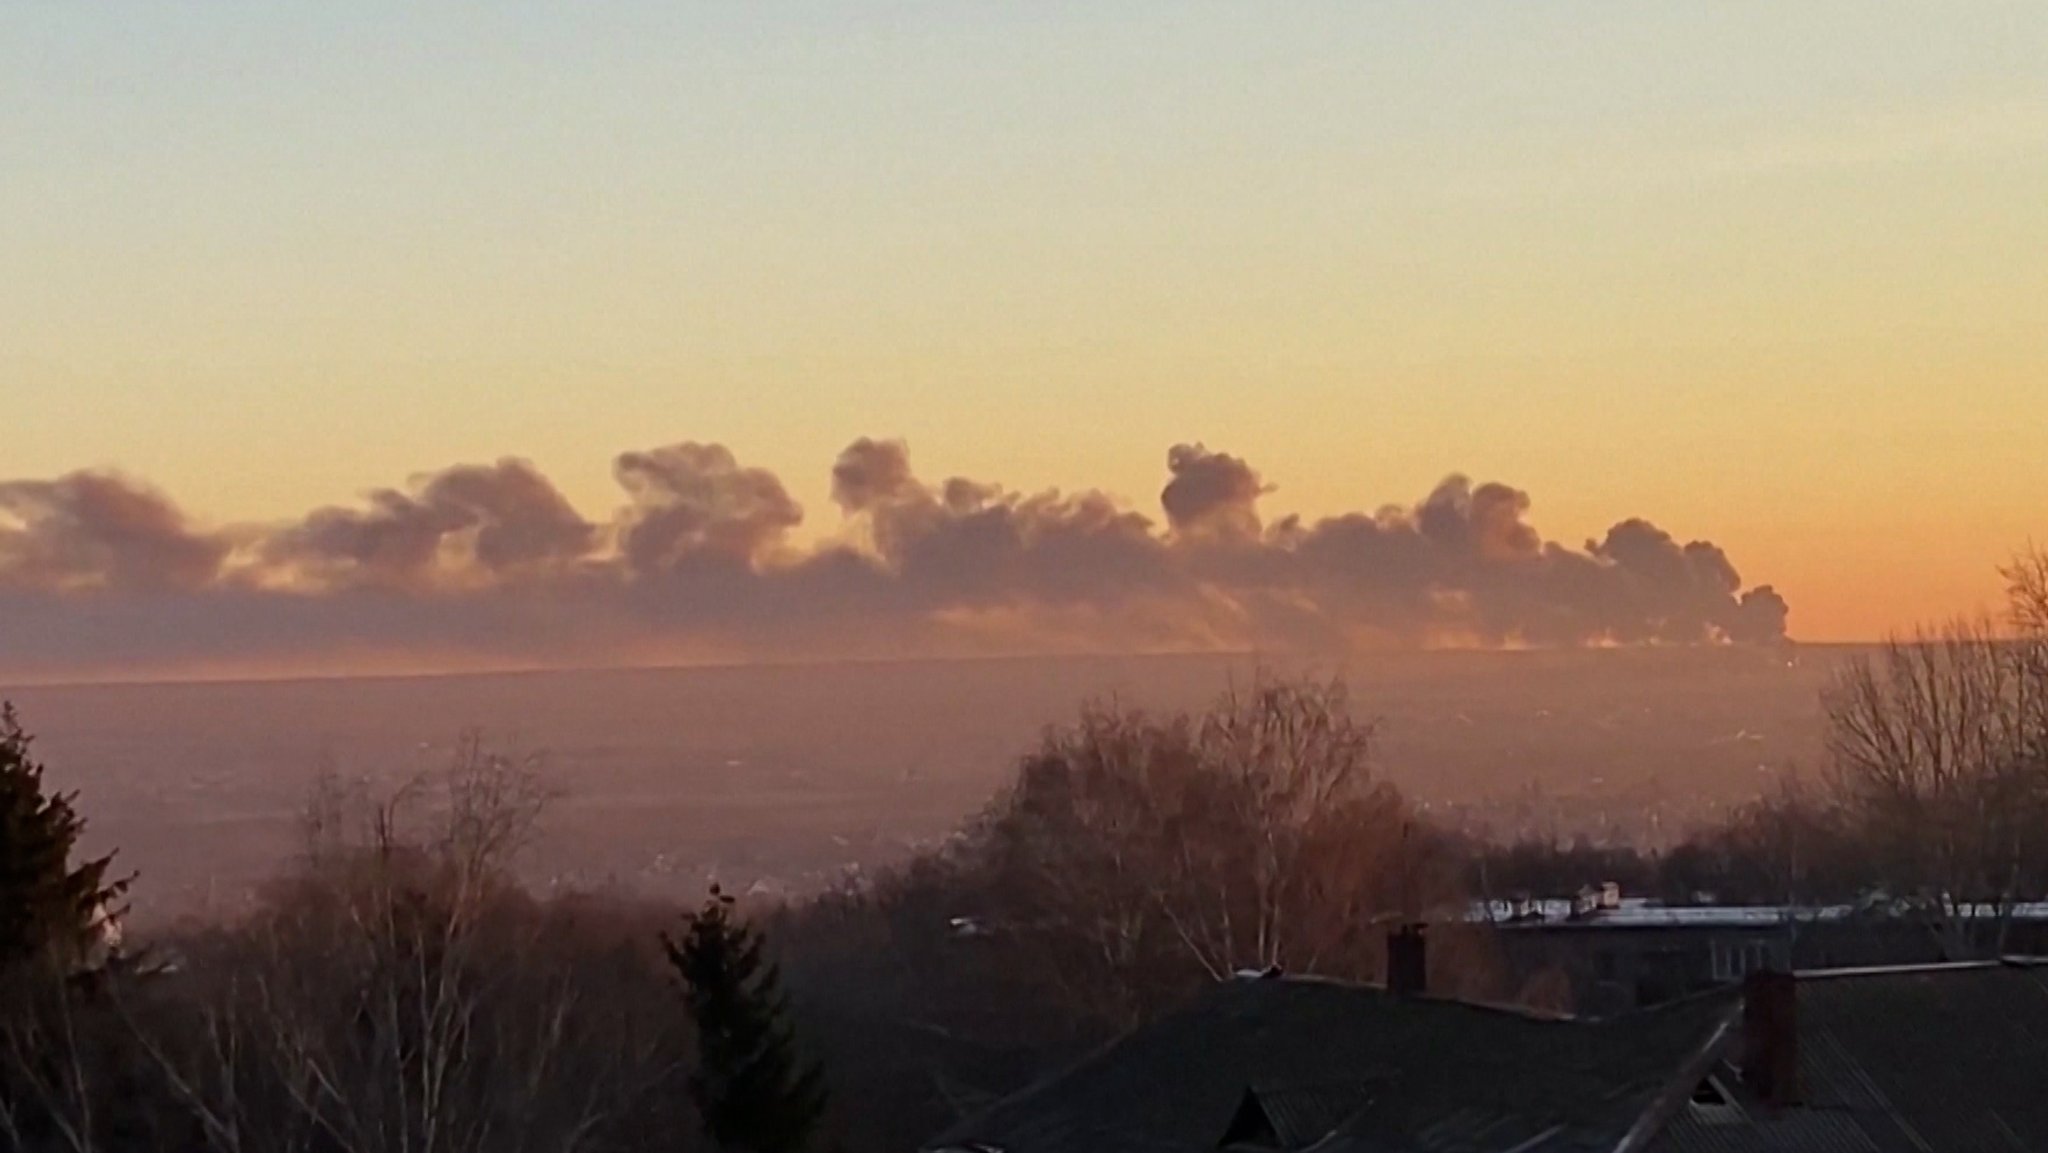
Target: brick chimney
(1770, 1036)
(1408, 961)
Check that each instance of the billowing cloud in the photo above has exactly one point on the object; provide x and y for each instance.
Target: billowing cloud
(965, 543)
(492, 521)
(1211, 492)
(694, 501)
(871, 472)
(489, 565)
(100, 531)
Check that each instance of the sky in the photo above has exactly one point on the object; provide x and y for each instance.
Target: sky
(1766, 275)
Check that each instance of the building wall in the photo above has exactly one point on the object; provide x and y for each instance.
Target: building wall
(1614, 968)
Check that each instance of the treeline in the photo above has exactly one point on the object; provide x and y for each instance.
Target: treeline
(394, 989)
(1795, 847)
(1135, 858)
(1932, 801)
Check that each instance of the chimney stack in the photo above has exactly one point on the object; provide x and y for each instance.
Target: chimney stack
(1408, 961)
(1770, 1036)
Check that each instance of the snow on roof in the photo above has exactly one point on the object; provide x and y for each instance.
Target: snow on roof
(1639, 912)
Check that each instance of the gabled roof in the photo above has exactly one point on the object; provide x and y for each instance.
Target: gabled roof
(1298, 1064)
(1929, 1059)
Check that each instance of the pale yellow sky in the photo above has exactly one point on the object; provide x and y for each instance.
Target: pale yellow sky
(1770, 277)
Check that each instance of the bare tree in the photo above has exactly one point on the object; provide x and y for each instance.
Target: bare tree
(1305, 847)
(2027, 612)
(2026, 583)
(49, 1084)
(1070, 858)
(400, 993)
(1142, 853)
(1936, 749)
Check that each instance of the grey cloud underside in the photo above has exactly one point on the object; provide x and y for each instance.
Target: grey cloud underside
(489, 563)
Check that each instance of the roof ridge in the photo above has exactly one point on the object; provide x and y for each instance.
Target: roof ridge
(1506, 1008)
(1918, 967)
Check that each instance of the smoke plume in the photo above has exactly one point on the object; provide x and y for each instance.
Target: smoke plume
(467, 524)
(490, 565)
(96, 531)
(1211, 492)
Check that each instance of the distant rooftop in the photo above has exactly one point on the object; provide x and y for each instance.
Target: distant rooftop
(1641, 912)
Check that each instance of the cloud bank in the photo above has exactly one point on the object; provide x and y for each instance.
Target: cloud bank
(488, 565)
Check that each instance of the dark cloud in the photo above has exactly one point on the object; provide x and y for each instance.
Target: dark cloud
(966, 542)
(1465, 565)
(1668, 591)
(521, 519)
(468, 523)
(1759, 618)
(100, 531)
(1483, 523)
(873, 472)
(1211, 493)
(695, 501)
(489, 564)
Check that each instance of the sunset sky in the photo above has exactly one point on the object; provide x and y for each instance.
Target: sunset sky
(1771, 276)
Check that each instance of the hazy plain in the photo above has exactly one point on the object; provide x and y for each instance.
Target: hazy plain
(784, 777)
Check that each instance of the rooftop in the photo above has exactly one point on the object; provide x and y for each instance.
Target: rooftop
(1293, 1063)
(1640, 912)
(1931, 1059)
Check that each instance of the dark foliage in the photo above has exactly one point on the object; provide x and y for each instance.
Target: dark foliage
(752, 1089)
(1537, 868)
(68, 1076)
(48, 906)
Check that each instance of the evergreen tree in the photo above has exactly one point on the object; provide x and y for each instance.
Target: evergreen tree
(49, 909)
(752, 1089)
(65, 1082)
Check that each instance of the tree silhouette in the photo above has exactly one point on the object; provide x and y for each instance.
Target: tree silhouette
(49, 909)
(61, 1084)
(752, 1089)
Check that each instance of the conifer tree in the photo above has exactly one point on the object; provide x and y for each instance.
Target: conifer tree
(49, 908)
(751, 1087)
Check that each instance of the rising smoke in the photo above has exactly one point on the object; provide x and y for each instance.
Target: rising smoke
(490, 565)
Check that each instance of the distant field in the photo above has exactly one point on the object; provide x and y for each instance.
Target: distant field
(786, 775)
